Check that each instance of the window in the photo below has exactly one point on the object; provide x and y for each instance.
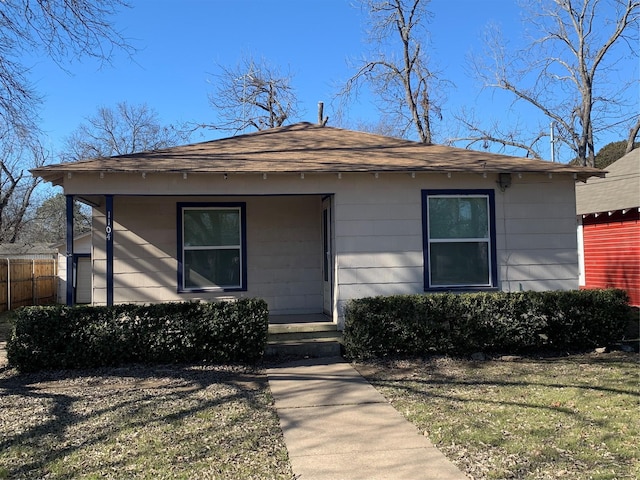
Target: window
(459, 239)
(211, 247)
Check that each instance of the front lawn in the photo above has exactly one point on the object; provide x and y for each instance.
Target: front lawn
(191, 422)
(573, 417)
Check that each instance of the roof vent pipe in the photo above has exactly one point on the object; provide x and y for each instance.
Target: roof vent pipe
(322, 121)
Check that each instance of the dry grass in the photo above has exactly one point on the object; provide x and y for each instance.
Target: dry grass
(573, 417)
(191, 422)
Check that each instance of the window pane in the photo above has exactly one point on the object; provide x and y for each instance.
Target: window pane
(461, 217)
(212, 268)
(459, 263)
(211, 227)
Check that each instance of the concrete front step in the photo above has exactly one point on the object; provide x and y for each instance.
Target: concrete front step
(304, 349)
(317, 339)
(328, 335)
(275, 328)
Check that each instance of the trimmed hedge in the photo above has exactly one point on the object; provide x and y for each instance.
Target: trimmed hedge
(460, 324)
(60, 337)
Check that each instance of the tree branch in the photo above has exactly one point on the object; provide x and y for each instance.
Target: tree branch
(633, 134)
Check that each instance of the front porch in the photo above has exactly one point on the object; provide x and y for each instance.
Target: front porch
(150, 249)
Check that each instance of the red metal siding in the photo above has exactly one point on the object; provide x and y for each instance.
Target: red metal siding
(612, 256)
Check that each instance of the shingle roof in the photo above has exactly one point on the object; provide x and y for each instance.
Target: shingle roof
(618, 191)
(310, 148)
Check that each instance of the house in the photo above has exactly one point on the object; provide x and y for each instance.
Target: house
(609, 228)
(308, 216)
(81, 268)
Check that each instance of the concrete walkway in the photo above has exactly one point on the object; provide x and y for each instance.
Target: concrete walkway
(338, 427)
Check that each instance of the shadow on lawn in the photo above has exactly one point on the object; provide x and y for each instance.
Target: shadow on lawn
(425, 379)
(74, 398)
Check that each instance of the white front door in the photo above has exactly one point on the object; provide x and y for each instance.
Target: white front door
(327, 258)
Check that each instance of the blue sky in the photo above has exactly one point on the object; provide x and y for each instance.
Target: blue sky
(181, 42)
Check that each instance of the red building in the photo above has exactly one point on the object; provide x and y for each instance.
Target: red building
(609, 228)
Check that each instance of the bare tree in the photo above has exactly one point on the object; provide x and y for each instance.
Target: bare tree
(400, 78)
(633, 134)
(48, 222)
(63, 31)
(16, 184)
(119, 131)
(495, 133)
(252, 95)
(563, 73)
(60, 29)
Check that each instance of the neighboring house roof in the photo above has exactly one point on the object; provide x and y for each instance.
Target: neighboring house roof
(77, 238)
(310, 148)
(618, 191)
(26, 249)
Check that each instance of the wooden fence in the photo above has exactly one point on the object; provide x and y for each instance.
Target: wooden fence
(27, 282)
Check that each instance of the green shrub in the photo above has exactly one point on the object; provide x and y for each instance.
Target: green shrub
(587, 318)
(449, 323)
(51, 337)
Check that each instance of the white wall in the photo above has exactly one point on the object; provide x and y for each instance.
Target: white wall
(538, 247)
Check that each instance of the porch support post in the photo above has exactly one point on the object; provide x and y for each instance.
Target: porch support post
(69, 253)
(109, 247)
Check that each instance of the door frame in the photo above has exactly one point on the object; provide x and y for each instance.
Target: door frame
(327, 255)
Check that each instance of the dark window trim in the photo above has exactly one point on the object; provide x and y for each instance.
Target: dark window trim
(243, 244)
(490, 193)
